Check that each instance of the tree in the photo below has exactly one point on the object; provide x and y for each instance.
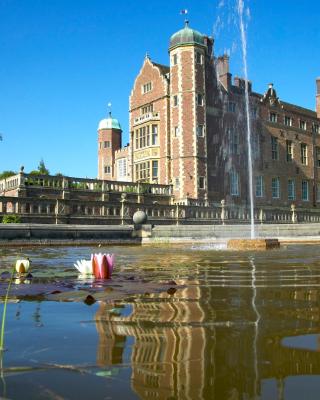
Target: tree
(42, 168)
(7, 174)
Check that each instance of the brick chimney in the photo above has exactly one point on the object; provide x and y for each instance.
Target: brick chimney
(318, 97)
(223, 71)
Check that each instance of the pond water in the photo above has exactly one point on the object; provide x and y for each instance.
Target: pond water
(175, 322)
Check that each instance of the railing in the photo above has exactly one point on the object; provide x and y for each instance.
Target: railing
(120, 212)
(84, 184)
(146, 117)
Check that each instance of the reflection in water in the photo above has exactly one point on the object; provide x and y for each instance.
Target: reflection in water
(256, 326)
(235, 328)
(199, 342)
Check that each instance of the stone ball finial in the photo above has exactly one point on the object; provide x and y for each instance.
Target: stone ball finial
(140, 218)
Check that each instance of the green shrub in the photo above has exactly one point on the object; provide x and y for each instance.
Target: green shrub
(11, 219)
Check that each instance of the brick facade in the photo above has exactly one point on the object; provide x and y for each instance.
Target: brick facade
(188, 129)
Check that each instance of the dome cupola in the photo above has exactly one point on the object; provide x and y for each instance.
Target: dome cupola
(186, 36)
(109, 123)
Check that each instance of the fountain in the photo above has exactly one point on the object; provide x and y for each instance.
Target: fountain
(253, 243)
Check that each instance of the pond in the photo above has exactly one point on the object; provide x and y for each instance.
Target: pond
(174, 322)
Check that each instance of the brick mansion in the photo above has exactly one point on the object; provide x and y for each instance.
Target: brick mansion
(188, 130)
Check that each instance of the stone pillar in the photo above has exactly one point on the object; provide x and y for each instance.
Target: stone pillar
(223, 211)
(177, 214)
(294, 218)
(122, 213)
(261, 216)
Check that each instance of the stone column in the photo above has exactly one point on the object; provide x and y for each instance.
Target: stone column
(223, 211)
(294, 218)
(123, 200)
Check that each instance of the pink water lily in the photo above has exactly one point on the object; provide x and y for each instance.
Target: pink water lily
(102, 265)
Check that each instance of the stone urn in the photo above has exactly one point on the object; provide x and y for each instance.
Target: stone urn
(140, 218)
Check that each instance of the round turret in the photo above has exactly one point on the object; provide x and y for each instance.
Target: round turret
(186, 36)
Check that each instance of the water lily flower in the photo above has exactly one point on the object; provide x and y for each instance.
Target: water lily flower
(103, 265)
(85, 267)
(22, 266)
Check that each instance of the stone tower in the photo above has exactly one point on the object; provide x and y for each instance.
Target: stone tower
(109, 141)
(188, 55)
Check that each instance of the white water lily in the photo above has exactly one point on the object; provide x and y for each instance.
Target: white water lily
(84, 267)
(22, 266)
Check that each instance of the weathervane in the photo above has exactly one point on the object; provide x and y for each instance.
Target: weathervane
(109, 105)
(185, 12)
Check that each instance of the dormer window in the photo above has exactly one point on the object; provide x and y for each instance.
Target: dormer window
(147, 87)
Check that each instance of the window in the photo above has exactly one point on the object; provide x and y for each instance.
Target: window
(147, 87)
(201, 182)
(303, 154)
(155, 169)
(275, 188)
(199, 99)
(291, 190)
(318, 193)
(107, 144)
(273, 117)
(200, 130)
(254, 112)
(176, 131)
(303, 125)
(154, 138)
(274, 148)
(177, 183)
(259, 186)
(107, 169)
(289, 146)
(198, 58)
(231, 106)
(175, 59)
(142, 171)
(256, 145)
(305, 190)
(233, 141)
(175, 100)
(121, 168)
(234, 183)
(287, 120)
(315, 128)
(147, 109)
(318, 157)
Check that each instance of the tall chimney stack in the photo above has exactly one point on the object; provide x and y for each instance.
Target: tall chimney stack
(318, 97)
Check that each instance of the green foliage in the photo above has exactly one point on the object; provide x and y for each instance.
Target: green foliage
(42, 168)
(7, 174)
(11, 219)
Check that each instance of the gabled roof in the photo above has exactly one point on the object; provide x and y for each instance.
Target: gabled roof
(164, 69)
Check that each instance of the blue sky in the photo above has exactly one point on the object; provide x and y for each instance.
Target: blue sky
(62, 61)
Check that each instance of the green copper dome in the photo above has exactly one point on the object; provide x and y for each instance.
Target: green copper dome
(109, 123)
(186, 36)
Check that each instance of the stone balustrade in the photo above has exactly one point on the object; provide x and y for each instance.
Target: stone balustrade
(24, 181)
(45, 210)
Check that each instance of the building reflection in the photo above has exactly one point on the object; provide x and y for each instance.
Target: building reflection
(198, 343)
